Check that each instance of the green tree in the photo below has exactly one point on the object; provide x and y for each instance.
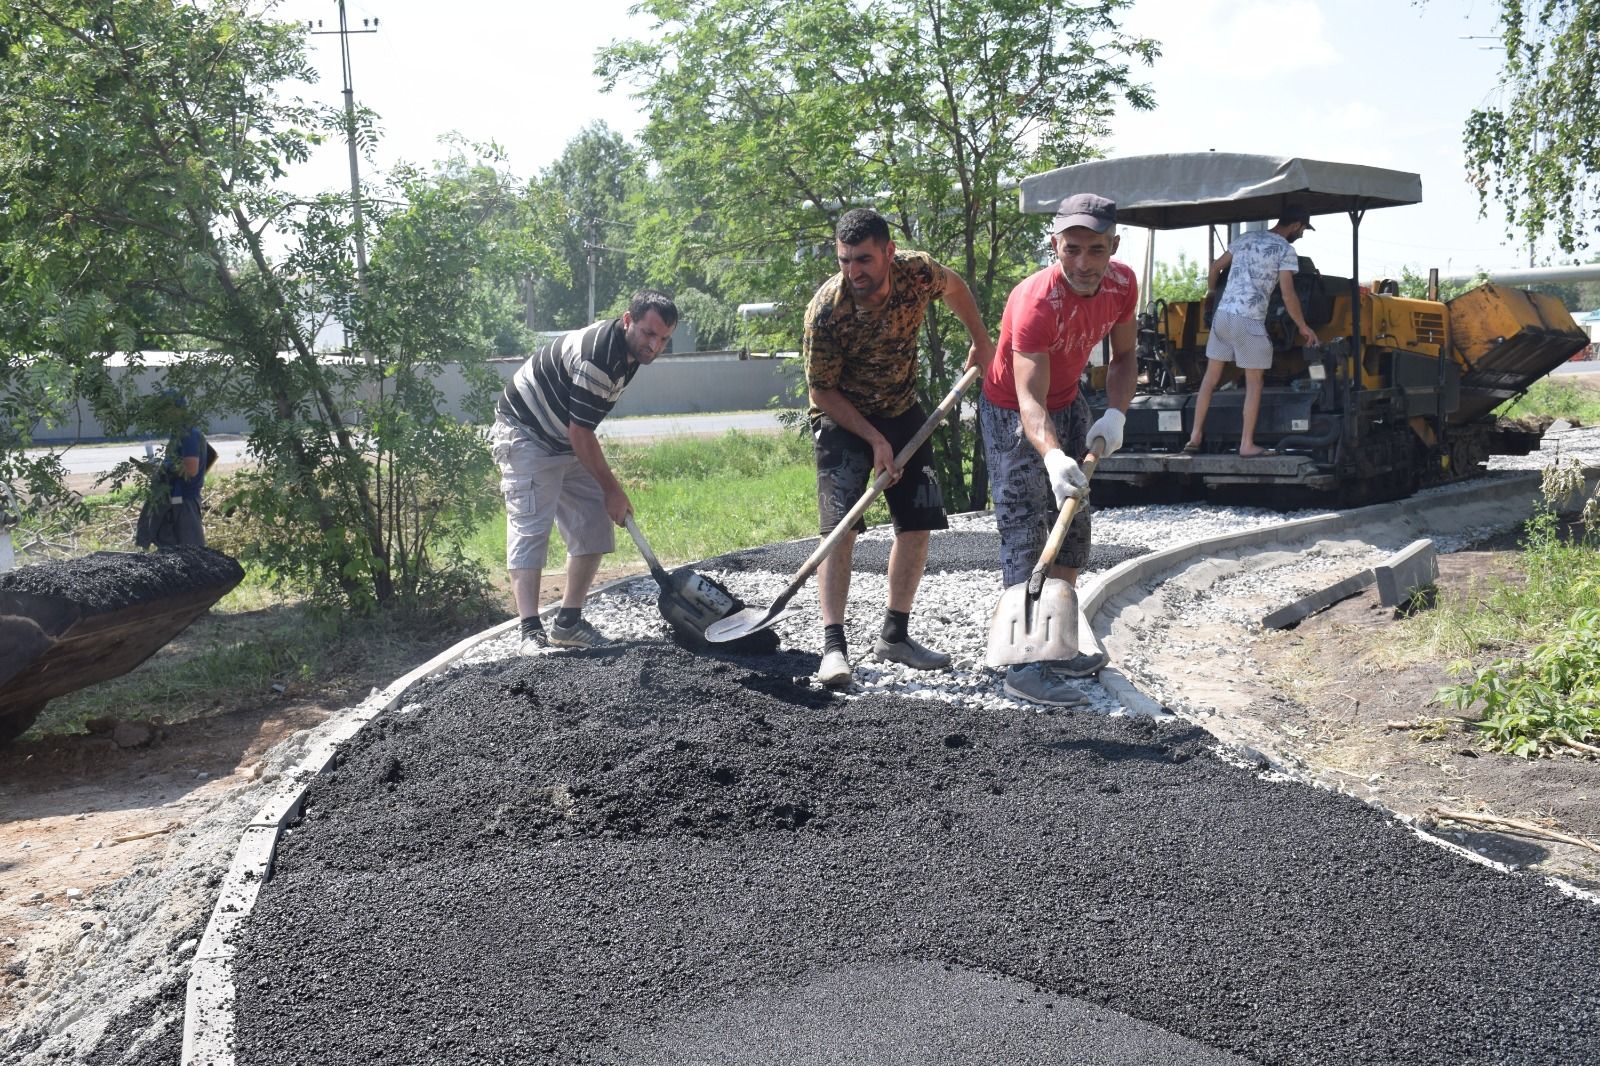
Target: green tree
(1178, 282)
(595, 184)
(140, 204)
(768, 118)
(1536, 151)
(1415, 285)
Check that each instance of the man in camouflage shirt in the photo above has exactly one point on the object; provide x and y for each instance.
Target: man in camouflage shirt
(861, 368)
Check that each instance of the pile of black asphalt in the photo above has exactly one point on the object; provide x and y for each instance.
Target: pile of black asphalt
(107, 581)
(636, 855)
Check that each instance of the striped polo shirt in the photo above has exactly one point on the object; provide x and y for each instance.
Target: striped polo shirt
(574, 379)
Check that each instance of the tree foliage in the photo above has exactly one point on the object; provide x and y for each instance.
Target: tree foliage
(595, 185)
(1179, 281)
(768, 118)
(142, 150)
(1537, 150)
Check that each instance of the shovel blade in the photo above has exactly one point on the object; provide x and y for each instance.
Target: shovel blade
(691, 603)
(1027, 630)
(743, 623)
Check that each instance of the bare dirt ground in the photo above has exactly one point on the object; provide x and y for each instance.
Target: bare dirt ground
(86, 818)
(1320, 700)
(1346, 715)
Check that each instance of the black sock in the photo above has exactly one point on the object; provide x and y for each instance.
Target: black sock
(833, 639)
(894, 626)
(532, 627)
(567, 617)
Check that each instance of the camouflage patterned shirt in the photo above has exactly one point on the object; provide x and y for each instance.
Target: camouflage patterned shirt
(870, 354)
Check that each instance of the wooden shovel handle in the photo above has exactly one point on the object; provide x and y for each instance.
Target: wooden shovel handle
(1058, 532)
(643, 545)
(879, 483)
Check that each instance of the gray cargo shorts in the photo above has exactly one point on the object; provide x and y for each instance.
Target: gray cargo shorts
(1239, 339)
(1024, 506)
(541, 489)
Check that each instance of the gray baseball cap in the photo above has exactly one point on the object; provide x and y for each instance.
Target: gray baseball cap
(1087, 210)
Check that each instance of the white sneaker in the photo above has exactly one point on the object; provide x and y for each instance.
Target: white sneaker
(835, 670)
(533, 646)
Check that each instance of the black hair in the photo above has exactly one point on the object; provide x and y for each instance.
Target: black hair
(860, 224)
(646, 300)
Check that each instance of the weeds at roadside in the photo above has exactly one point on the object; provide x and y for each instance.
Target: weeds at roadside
(1547, 698)
(1576, 402)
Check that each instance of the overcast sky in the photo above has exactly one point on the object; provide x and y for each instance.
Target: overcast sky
(1379, 82)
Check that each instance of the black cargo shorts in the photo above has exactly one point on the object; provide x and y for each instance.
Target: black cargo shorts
(844, 470)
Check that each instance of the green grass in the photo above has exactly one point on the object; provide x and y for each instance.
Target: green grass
(698, 497)
(1527, 650)
(1575, 401)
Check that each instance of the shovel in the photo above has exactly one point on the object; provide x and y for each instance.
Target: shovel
(754, 619)
(1037, 620)
(689, 601)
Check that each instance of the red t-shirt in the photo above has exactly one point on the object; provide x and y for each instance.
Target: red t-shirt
(1043, 314)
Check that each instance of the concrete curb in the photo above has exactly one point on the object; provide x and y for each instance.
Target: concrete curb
(1136, 571)
(1516, 491)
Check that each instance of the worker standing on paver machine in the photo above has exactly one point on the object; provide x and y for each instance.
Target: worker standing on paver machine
(552, 468)
(171, 517)
(1257, 262)
(1035, 421)
(861, 333)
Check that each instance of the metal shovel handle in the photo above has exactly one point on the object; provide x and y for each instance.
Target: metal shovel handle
(1058, 532)
(879, 483)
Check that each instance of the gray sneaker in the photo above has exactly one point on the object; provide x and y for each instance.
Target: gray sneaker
(835, 670)
(1084, 664)
(909, 653)
(579, 635)
(1036, 683)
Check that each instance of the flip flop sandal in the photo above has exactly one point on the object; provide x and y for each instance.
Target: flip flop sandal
(1191, 449)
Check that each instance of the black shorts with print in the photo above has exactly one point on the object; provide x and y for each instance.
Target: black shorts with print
(844, 470)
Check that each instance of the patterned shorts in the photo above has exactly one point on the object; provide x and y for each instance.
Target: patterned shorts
(844, 470)
(1239, 339)
(1024, 506)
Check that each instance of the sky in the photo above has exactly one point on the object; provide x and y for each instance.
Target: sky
(1384, 83)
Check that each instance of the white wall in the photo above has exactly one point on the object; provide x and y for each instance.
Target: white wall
(688, 384)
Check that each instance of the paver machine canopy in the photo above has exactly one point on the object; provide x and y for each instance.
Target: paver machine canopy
(1397, 395)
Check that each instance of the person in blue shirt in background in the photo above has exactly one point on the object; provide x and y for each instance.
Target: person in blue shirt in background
(171, 518)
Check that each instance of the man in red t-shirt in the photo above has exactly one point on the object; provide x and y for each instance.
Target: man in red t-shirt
(1036, 423)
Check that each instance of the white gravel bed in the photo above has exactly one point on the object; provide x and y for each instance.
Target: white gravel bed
(952, 608)
(1561, 441)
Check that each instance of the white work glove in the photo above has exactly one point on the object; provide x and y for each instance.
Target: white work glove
(1108, 427)
(1067, 479)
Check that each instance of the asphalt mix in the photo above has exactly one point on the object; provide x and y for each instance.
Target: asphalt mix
(638, 855)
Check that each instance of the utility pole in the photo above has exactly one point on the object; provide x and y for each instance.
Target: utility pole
(344, 31)
(590, 247)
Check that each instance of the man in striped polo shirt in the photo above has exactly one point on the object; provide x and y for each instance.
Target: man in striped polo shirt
(552, 468)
